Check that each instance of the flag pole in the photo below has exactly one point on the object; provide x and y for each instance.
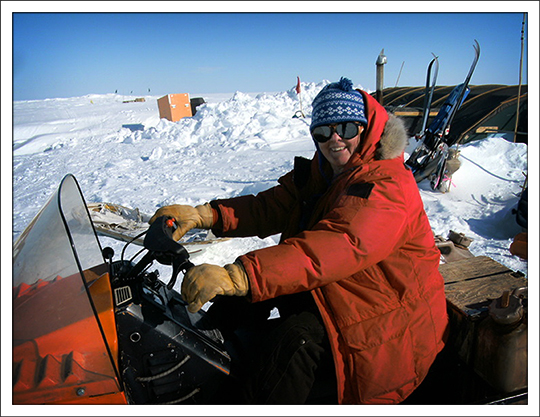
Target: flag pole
(298, 92)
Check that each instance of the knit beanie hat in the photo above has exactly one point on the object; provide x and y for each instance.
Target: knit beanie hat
(338, 102)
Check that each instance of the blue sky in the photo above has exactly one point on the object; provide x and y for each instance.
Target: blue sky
(73, 54)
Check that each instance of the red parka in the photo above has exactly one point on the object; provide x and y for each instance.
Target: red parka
(362, 244)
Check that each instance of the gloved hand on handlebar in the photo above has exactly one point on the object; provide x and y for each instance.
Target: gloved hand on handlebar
(203, 282)
(187, 217)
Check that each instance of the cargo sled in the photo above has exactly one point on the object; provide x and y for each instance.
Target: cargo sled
(88, 329)
(130, 225)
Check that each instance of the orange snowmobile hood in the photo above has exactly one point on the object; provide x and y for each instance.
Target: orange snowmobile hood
(65, 347)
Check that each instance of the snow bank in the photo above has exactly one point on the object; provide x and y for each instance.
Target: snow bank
(123, 153)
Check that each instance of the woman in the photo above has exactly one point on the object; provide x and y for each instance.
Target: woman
(355, 275)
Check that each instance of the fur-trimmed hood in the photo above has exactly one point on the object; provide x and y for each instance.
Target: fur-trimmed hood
(394, 139)
(385, 136)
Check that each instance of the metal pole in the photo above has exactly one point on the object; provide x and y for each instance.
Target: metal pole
(381, 60)
(520, 71)
(399, 75)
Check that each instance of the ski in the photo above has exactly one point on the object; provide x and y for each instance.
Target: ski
(463, 92)
(426, 159)
(435, 135)
(431, 81)
(440, 177)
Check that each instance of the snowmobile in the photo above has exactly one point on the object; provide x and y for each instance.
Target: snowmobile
(88, 329)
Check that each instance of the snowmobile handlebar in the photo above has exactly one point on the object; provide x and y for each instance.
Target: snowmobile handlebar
(164, 249)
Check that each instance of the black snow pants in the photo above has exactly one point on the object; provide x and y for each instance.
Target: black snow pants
(276, 360)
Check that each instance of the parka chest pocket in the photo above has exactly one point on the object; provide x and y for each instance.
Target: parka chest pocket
(360, 189)
(354, 195)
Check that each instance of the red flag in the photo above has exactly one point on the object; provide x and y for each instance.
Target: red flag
(298, 86)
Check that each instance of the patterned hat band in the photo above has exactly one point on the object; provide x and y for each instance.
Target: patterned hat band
(336, 103)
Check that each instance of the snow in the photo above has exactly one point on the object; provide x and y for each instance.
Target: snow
(235, 145)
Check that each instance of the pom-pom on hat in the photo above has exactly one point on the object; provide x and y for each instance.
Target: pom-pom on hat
(338, 102)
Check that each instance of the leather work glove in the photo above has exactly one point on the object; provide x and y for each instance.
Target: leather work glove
(187, 217)
(203, 282)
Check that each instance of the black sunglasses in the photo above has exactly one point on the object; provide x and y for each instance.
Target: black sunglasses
(345, 130)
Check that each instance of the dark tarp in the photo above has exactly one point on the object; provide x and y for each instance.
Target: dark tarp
(488, 109)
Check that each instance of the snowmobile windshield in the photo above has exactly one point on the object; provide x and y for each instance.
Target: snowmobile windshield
(64, 338)
(58, 239)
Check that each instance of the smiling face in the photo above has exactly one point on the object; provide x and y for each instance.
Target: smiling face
(338, 151)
